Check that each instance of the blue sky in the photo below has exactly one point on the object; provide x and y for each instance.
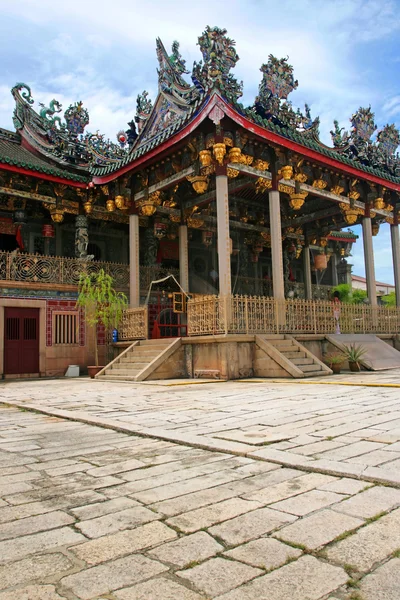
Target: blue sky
(345, 54)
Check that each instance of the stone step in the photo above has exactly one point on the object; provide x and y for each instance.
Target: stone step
(309, 368)
(123, 372)
(116, 378)
(139, 357)
(294, 354)
(302, 361)
(273, 336)
(154, 343)
(132, 365)
(284, 346)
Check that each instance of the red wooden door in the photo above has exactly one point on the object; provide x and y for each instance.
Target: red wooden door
(21, 341)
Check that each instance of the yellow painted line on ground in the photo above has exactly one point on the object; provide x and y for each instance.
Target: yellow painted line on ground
(301, 382)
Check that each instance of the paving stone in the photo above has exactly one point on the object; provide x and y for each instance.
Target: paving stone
(15, 488)
(266, 553)
(175, 506)
(351, 450)
(192, 548)
(215, 513)
(371, 502)
(32, 592)
(100, 509)
(116, 467)
(345, 486)
(369, 545)
(317, 447)
(29, 525)
(124, 542)
(160, 589)
(305, 579)
(318, 529)
(218, 575)
(117, 521)
(104, 579)
(38, 542)
(34, 568)
(251, 525)
(383, 583)
(308, 502)
(282, 491)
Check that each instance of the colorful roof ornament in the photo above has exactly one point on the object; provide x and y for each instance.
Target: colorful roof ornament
(271, 103)
(220, 56)
(76, 118)
(144, 107)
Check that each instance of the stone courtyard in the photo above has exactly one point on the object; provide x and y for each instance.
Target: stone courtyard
(179, 490)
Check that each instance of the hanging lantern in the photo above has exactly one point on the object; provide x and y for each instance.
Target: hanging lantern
(48, 230)
(320, 262)
(207, 238)
(375, 229)
(148, 206)
(88, 207)
(351, 216)
(160, 230)
(299, 249)
(19, 217)
(110, 205)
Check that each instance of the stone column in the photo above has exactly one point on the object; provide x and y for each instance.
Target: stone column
(224, 244)
(334, 265)
(276, 245)
(184, 258)
(59, 245)
(307, 273)
(369, 260)
(394, 234)
(81, 236)
(134, 277)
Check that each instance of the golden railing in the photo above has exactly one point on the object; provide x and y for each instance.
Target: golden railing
(59, 270)
(134, 324)
(211, 315)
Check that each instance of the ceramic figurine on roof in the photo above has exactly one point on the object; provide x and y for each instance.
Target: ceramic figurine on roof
(76, 118)
(144, 107)
(220, 56)
(271, 103)
(48, 113)
(359, 146)
(170, 81)
(102, 151)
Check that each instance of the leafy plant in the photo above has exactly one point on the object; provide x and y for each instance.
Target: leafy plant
(358, 296)
(354, 353)
(334, 358)
(103, 305)
(390, 300)
(344, 290)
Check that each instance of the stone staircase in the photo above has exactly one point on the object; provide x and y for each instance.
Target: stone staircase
(140, 360)
(292, 356)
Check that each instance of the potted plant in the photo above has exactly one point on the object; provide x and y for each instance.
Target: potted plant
(354, 354)
(102, 304)
(335, 361)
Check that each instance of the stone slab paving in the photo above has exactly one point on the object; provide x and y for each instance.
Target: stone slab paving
(147, 519)
(317, 425)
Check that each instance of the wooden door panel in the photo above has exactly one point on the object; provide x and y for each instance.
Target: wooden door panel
(21, 341)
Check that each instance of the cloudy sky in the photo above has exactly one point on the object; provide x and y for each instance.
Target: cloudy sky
(345, 54)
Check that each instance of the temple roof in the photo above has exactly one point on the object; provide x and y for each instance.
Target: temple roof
(181, 106)
(13, 154)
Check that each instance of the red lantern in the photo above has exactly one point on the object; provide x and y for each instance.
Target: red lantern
(160, 229)
(48, 230)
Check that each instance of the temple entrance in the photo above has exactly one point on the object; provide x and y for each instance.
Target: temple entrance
(21, 341)
(167, 315)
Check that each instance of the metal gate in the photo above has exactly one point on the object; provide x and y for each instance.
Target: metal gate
(21, 341)
(167, 315)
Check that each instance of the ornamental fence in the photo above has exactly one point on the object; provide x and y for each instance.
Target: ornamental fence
(212, 315)
(58, 270)
(134, 324)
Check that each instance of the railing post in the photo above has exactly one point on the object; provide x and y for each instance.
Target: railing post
(8, 267)
(246, 313)
(314, 316)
